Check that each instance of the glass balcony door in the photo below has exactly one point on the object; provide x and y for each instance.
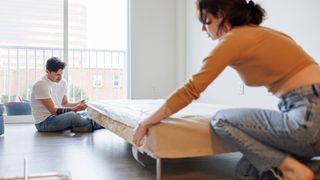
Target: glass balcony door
(31, 31)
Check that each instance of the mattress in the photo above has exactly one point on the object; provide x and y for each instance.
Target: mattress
(186, 133)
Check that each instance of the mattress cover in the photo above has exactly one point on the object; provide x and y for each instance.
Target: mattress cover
(186, 133)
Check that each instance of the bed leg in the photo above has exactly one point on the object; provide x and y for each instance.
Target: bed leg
(159, 172)
(135, 153)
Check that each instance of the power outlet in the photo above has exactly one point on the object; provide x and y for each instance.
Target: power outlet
(240, 88)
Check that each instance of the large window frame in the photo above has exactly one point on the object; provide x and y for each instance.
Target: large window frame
(127, 64)
(66, 58)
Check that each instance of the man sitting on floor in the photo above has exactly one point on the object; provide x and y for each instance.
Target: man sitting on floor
(50, 106)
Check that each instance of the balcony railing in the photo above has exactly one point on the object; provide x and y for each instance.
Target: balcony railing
(92, 73)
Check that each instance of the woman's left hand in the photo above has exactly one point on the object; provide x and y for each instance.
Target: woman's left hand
(139, 134)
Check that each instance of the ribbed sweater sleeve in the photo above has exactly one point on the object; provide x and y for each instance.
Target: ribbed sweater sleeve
(222, 55)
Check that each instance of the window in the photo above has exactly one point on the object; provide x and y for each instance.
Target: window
(116, 81)
(31, 31)
(97, 42)
(97, 46)
(97, 81)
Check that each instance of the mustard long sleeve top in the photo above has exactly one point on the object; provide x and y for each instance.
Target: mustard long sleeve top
(260, 55)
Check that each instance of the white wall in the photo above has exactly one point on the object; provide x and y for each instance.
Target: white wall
(294, 17)
(153, 48)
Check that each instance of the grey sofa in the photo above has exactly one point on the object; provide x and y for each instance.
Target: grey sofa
(1, 119)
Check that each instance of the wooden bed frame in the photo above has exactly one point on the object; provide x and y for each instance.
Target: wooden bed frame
(126, 131)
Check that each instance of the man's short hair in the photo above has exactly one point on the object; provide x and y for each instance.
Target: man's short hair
(54, 64)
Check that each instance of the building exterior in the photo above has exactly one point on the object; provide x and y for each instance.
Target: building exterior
(40, 23)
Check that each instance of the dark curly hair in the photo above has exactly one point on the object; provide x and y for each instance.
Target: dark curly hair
(235, 12)
(54, 64)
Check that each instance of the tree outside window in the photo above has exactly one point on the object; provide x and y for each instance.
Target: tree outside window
(77, 94)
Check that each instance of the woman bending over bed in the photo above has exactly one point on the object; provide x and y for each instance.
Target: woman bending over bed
(280, 143)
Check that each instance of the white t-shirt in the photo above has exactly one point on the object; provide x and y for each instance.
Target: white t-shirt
(45, 89)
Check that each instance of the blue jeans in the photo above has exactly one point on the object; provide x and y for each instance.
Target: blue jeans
(76, 122)
(267, 137)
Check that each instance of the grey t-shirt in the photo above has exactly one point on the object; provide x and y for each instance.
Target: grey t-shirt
(45, 89)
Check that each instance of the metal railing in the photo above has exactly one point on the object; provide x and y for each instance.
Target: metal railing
(90, 71)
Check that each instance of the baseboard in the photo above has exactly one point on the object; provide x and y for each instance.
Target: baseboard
(18, 119)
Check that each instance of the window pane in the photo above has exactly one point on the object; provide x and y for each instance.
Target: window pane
(98, 43)
(31, 31)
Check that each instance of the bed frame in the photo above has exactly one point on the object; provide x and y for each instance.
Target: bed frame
(106, 117)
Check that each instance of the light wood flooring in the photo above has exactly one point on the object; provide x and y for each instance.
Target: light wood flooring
(101, 155)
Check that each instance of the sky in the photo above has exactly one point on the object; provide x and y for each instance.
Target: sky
(106, 23)
(24, 23)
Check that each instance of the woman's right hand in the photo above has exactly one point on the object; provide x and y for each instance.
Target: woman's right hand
(139, 134)
(153, 119)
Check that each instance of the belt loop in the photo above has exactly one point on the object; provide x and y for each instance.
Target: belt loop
(314, 89)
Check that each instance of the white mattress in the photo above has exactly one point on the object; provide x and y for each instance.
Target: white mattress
(185, 134)
(131, 112)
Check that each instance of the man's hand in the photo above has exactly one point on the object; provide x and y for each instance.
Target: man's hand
(80, 107)
(83, 101)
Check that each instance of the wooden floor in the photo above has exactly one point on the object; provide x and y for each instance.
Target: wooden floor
(98, 156)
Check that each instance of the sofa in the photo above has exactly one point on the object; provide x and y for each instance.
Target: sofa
(18, 108)
(1, 119)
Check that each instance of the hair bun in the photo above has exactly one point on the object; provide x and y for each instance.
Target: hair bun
(251, 4)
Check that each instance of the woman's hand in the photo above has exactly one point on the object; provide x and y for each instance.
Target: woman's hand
(139, 134)
(152, 120)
